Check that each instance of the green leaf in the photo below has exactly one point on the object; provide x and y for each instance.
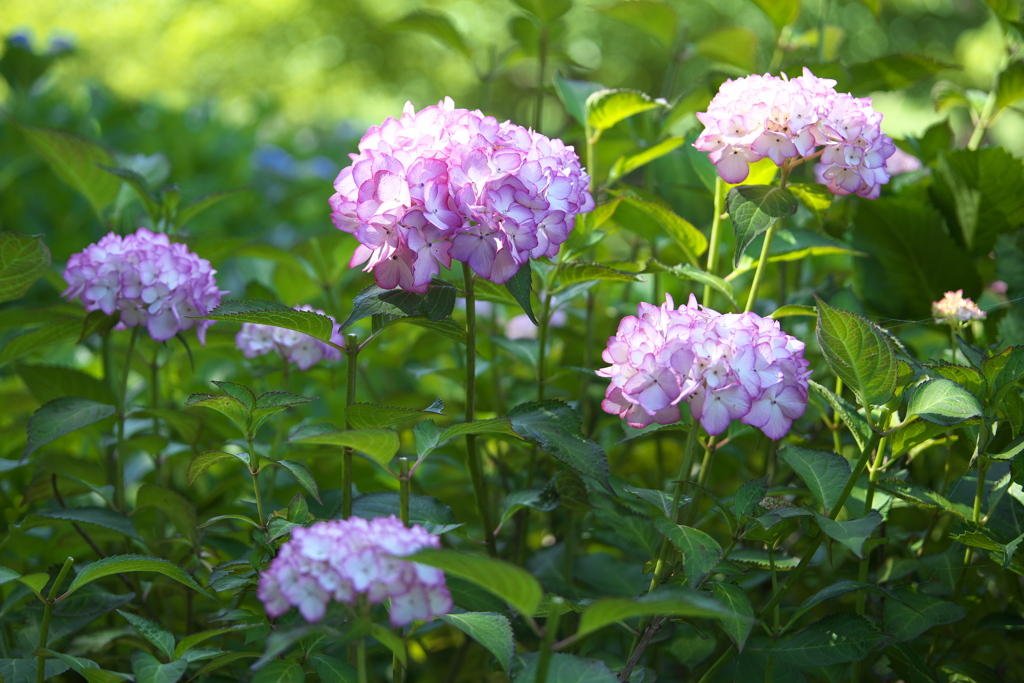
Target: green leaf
(303, 476)
(687, 271)
(495, 425)
(627, 164)
(148, 669)
(141, 186)
(426, 511)
(793, 309)
(842, 587)
(380, 445)
(447, 327)
(242, 394)
(748, 498)
(333, 670)
(108, 519)
(74, 159)
(854, 421)
(583, 271)
(736, 600)
(815, 197)
(433, 24)
(62, 416)
(563, 668)
(555, 427)
(913, 613)
(224, 660)
(238, 518)
(657, 19)
(207, 201)
(781, 12)
(922, 497)
(793, 244)
(825, 473)
(691, 240)
(545, 10)
(519, 287)
(374, 415)
(835, 639)
(194, 639)
(858, 352)
(24, 670)
(123, 564)
(1011, 85)
(851, 533)
(177, 507)
(63, 328)
(491, 630)
(574, 95)
(151, 631)
(1003, 369)
(735, 45)
(943, 402)
(208, 459)
(280, 671)
(673, 602)
(228, 406)
(605, 108)
(274, 314)
(701, 553)
(49, 382)
(23, 259)
(755, 208)
(892, 72)
(545, 500)
(512, 584)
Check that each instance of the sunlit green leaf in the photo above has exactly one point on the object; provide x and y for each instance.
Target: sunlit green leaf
(781, 12)
(892, 72)
(303, 476)
(23, 259)
(433, 24)
(380, 445)
(555, 427)
(691, 240)
(582, 271)
(858, 352)
(943, 402)
(491, 630)
(627, 164)
(755, 208)
(657, 19)
(512, 584)
(825, 473)
(605, 108)
(734, 45)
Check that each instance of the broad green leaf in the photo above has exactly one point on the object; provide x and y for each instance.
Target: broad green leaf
(512, 584)
(914, 434)
(815, 197)
(793, 309)
(892, 72)
(691, 240)
(98, 322)
(192, 640)
(842, 587)
(545, 10)
(80, 664)
(748, 498)
(208, 459)
(280, 671)
(242, 394)
(755, 208)
(74, 159)
(491, 630)
(793, 244)
(273, 402)
(832, 640)
(177, 507)
(735, 45)
(23, 259)
(223, 660)
(24, 670)
(228, 406)
(565, 668)
(151, 631)
(447, 327)
(657, 19)
(148, 669)
(519, 287)
(1003, 369)
(913, 613)
(605, 108)
(426, 511)
(825, 473)
(574, 95)
(858, 352)
(851, 533)
(659, 499)
(375, 415)
(1011, 85)
(922, 497)
(207, 201)
(63, 328)
(627, 164)
(274, 314)
(108, 519)
(333, 670)
(736, 600)
(701, 553)
(62, 416)
(380, 445)
(238, 518)
(582, 271)
(781, 12)
(854, 421)
(545, 500)
(970, 378)
(49, 382)
(687, 271)
(555, 427)
(122, 564)
(495, 425)
(435, 304)
(673, 602)
(138, 183)
(303, 476)
(943, 402)
(433, 24)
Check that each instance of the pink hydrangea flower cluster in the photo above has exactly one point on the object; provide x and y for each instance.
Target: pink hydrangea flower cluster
(766, 116)
(151, 281)
(445, 183)
(727, 367)
(342, 559)
(255, 340)
(956, 309)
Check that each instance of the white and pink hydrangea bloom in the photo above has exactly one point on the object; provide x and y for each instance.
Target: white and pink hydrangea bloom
(727, 367)
(150, 280)
(956, 309)
(760, 117)
(340, 560)
(255, 340)
(445, 183)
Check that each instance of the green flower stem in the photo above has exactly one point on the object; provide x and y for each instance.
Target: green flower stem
(979, 495)
(472, 453)
(542, 337)
(716, 237)
(869, 498)
(797, 573)
(542, 62)
(762, 261)
(122, 405)
(550, 632)
(44, 630)
(775, 586)
(352, 354)
(361, 660)
(254, 470)
(403, 490)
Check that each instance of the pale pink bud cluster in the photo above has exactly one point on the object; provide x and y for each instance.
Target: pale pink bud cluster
(727, 367)
(294, 347)
(955, 309)
(151, 281)
(766, 116)
(342, 559)
(445, 183)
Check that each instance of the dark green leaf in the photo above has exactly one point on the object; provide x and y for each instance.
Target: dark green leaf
(62, 416)
(544, 500)
(333, 670)
(921, 497)
(303, 476)
(372, 415)
(858, 352)
(582, 271)
(667, 601)
(825, 473)
(892, 72)
(519, 287)
(574, 95)
(733, 597)
(426, 511)
(433, 24)
(228, 406)
(834, 639)
(208, 459)
(24, 670)
(63, 328)
(793, 244)
(447, 327)
(108, 519)
(23, 259)
(851, 533)
(512, 584)
(48, 382)
(854, 421)
(943, 402)
(701, 553)
(141, 187)
(842, 587)
(687, 271)
(913, 613)
(1011, 85)
(491, 630)
(280, 671)
(555, 427)
(755, 208)
(151, 631)
(563, 668)
(274, 314)
(748, 498)
(546, 11)
(121, 564)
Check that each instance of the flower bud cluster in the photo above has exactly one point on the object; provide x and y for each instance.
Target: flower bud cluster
(294, 347)
(955, 309)
(343, 559)
(766, 116)
(151, 281)
(727, 367)
(446, 183)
